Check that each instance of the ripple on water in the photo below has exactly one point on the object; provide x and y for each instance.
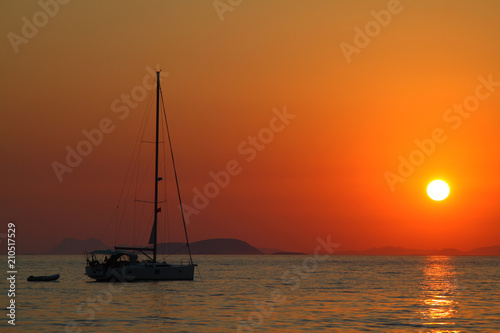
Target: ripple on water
(343, 294)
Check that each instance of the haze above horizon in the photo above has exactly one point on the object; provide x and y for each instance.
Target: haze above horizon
(290, 121)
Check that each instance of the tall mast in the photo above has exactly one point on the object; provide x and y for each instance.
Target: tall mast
(156, 162)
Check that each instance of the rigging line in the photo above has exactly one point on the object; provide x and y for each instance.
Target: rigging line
(140, 217)
(129, 181)
(134, 181)
(121, 195)
(145, 233)
(138, 185)
(199, 274)
(110, 221)
(176, 179)
(166, 230)
(138, 150)
(175, 252)
(143, 135)
(144, 176)
(140, 137)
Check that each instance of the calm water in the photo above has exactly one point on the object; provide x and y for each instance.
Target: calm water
(269, 293)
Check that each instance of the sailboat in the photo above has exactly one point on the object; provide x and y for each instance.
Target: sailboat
(123, 263)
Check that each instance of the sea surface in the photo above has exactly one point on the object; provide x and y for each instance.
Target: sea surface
(267, 294)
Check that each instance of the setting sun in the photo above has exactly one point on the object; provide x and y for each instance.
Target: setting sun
(438, 190)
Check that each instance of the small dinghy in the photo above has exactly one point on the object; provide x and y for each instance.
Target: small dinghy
(44, 278)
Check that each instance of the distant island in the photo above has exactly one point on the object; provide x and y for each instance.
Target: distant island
(75, 246)
(208, 246)
(231, 246)
(401, 251)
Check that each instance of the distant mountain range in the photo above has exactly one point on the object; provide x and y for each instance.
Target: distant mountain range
(235, 246)
(208, 246)
(268, 251)
(75, 246)
(401, 251)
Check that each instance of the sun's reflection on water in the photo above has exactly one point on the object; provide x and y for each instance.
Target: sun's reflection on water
(439, 304)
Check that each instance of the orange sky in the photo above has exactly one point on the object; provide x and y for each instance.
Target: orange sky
(324, 173)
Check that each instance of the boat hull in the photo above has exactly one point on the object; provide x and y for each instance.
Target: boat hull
(44, 278)
(141, 272)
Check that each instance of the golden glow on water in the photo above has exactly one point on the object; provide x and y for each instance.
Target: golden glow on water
(344, 294)
(438, 294)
